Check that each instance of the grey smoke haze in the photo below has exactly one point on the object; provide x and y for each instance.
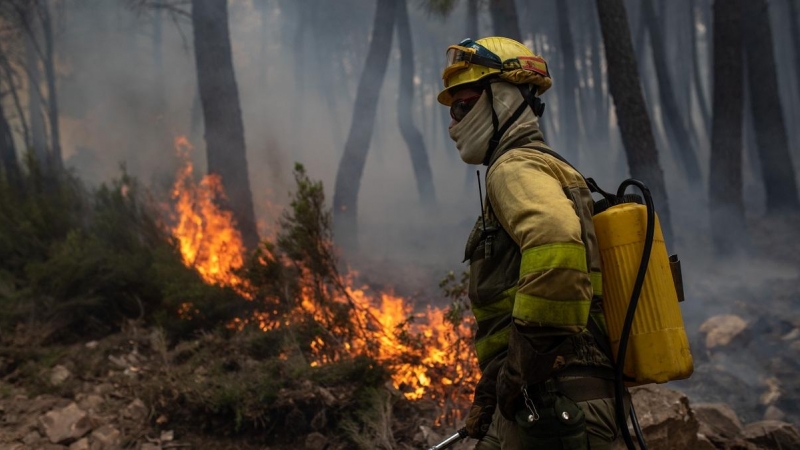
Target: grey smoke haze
(297, 66)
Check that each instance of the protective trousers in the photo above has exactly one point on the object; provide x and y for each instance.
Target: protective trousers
(561, 425)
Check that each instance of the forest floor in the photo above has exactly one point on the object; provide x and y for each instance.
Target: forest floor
(131, 390)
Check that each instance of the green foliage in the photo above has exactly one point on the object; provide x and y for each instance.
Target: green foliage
(369, 426)
(306, 236)
(360, 370)
(442, 8)
(84, 261)
(457, 292)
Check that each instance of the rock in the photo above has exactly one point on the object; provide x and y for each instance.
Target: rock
(149, 446)
(66, 424)
(80, 444)
(167, 436)
(31, 437)
(118, 361)
(774, 413)
(320, 420)
(105, 438)
(703, 443)
(316, 441)
(665, 417)
(91, 344)
(723, 330)
(136, 410)
(773, 392)
(327, 397)
(103, 389)
(741, 444)
(12, 446)
(772, 434)
(40, 404)
(59, 374)
(718, 421)
(90, 402)
(792, 335)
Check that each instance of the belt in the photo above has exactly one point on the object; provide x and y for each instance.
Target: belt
(581, 389)
(581, 383)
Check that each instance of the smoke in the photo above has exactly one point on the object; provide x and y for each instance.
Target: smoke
(297, 68)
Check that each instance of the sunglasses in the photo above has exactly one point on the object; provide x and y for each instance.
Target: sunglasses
(460, 108)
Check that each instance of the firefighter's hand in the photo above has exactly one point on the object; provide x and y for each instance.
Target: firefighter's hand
(509, 394)
(478, 420)
(525, 364)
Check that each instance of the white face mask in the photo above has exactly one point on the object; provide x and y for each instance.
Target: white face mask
(472, 134)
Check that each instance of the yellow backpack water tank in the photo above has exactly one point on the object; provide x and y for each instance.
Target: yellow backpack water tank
(658, 348)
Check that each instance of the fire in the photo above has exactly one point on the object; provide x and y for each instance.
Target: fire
(207, 235)
(428, 358)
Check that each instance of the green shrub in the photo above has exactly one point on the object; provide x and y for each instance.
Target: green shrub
(85, 261)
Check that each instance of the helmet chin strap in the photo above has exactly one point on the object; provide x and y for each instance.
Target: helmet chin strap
(531, 100)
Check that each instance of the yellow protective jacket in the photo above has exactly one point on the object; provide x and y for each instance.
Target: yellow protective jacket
(546, 207)
(535, 273)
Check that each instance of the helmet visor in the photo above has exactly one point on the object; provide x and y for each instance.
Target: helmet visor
(459, 58)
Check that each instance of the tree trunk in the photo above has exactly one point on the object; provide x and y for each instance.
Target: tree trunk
(504, 19)
(10, 74)
(632, 117)
(674, 118)
(409, 131)
(196, 128)
(752, 163)
(570, 129)
(8, 153)
(222, 114)
(55, 162)
(773, 146)
(699, 89)
(725, 169)
(472, 19)
(351, 166)
(601, 107)
(38, 141)
(794, 11)
(158, 63)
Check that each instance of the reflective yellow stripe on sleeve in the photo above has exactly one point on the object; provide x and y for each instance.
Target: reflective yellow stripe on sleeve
(561, 255)
(551, 312)
(492, 344)
(502, 305)
(597, 283)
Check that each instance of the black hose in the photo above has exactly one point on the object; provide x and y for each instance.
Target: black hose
(638, 429)
(626, 327)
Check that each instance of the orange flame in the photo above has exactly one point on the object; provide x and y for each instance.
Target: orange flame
(431, 360)
(207, 236)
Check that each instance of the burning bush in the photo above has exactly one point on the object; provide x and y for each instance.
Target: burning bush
(85, 261)
(326, 318)
(81, 261)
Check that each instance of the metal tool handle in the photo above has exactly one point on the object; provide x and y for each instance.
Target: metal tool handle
(452, 440)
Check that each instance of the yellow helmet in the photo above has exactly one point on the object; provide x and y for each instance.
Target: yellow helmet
(471, 61)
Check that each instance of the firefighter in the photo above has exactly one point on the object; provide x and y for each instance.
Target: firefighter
(535, 278)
